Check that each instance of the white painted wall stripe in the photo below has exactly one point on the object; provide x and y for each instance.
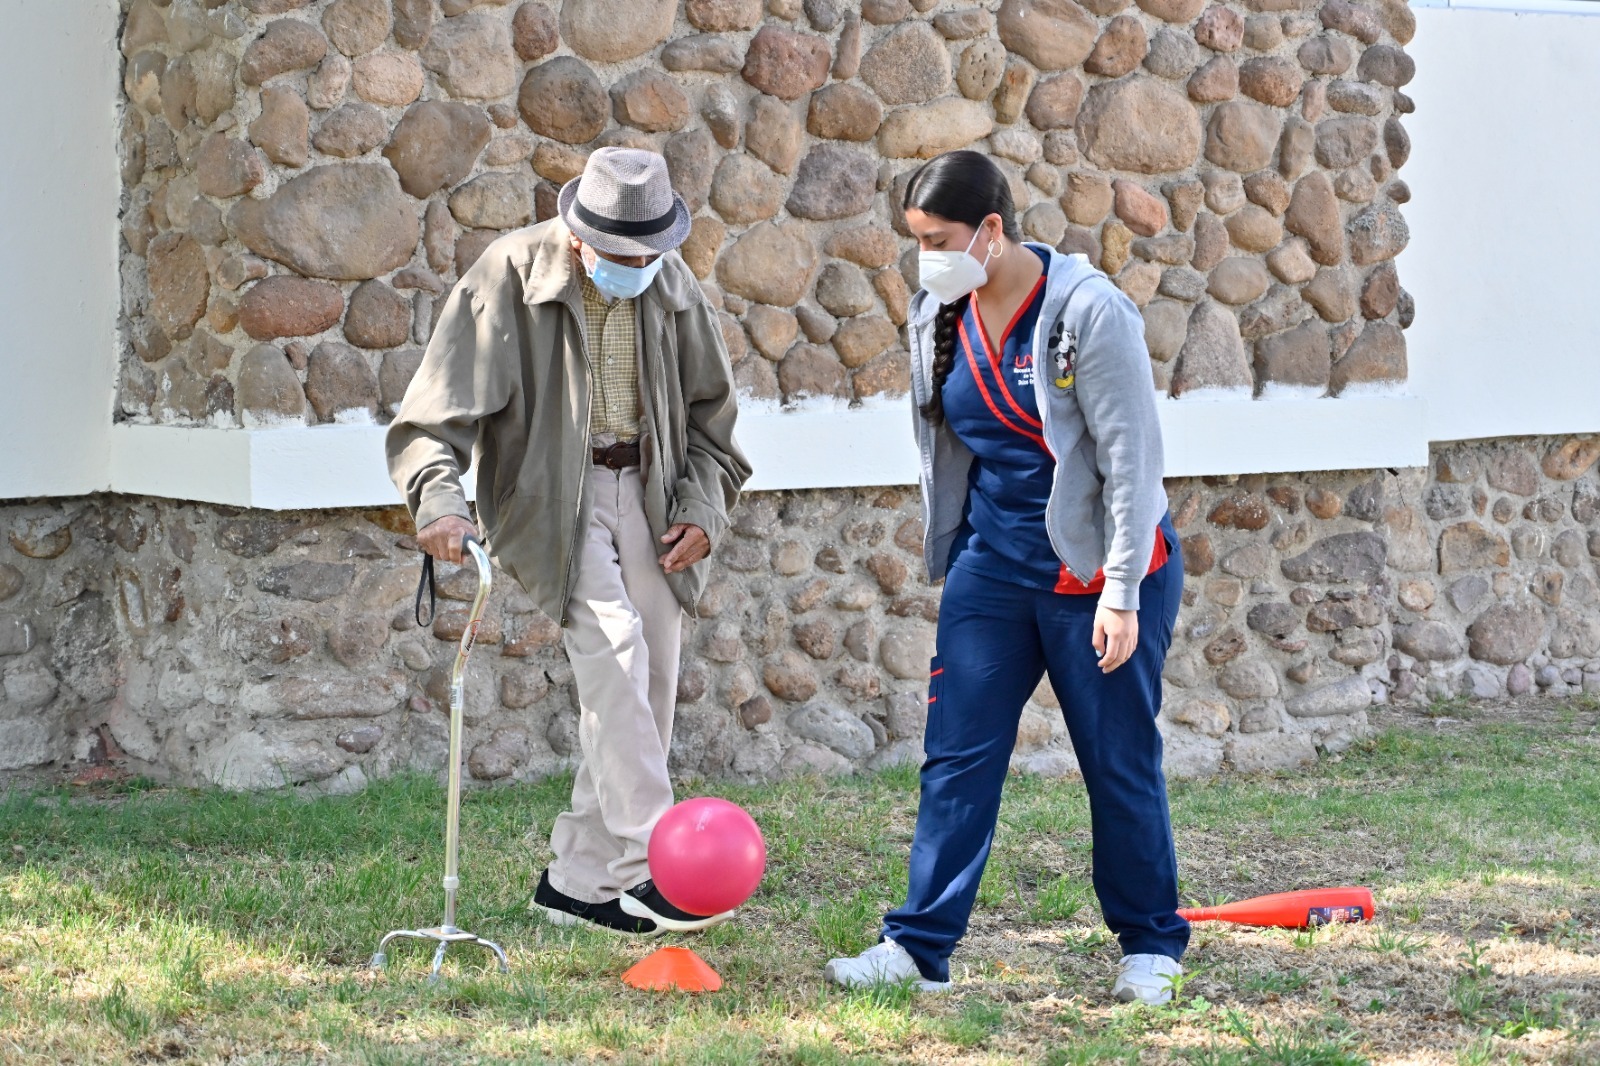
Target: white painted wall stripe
(343, 466)
(1525, 7)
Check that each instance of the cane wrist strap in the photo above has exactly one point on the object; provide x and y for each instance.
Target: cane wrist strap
(425, 584)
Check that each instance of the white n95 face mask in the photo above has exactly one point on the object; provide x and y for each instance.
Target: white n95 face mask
(948, 276)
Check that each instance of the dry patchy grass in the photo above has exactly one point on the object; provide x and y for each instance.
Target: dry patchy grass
(146, 925)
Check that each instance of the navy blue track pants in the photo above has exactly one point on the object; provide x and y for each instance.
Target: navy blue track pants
(995, 641)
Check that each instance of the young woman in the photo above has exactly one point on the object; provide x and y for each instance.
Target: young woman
(1045, 514)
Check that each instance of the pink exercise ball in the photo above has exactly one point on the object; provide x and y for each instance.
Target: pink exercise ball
(707, 856)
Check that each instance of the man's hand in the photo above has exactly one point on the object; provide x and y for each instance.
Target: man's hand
(1116, 634)
(692, 546)
(444, 538)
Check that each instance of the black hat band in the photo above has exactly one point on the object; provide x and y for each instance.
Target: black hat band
(619, 228)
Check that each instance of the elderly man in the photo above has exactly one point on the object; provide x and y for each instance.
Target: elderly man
(579, 360)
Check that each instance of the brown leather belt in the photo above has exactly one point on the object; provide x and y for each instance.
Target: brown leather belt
(618, 456)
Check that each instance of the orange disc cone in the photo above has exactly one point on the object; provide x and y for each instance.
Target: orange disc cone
(673, 968)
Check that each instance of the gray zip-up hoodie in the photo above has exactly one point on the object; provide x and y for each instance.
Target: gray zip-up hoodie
(1101, 425)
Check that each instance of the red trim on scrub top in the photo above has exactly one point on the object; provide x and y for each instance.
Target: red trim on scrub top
(994, 359)
(988, 400)
(1071, 586)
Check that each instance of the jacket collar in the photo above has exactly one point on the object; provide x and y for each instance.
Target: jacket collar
(1065, 273)
(550, 272)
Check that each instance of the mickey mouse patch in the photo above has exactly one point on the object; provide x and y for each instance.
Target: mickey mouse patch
(1063, 350)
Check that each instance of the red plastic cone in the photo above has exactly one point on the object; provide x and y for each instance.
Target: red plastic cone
(1292, 910)
(673, 968)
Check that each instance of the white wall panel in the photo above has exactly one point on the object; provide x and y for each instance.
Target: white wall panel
(1505, 222)
(59, 189)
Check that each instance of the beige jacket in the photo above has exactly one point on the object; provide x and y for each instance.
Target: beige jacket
(506, 380)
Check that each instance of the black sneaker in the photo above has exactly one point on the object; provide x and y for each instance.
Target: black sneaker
(561, 909)
(646, 901)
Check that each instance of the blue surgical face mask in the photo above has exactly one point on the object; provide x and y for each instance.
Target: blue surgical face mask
(617, 281)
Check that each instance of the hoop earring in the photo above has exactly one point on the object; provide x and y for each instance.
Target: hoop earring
(996, 249)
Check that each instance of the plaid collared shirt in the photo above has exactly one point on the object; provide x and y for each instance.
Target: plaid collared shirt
(613, 353)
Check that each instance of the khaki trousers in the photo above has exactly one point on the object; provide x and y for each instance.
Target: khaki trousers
(623, 637)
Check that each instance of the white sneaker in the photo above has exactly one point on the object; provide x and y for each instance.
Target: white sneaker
(886, 963)
(1146, 978)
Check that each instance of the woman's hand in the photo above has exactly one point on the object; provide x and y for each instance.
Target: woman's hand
(1116, 634)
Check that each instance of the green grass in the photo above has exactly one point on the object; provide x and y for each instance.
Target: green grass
(1321, 1043)
(140, 924)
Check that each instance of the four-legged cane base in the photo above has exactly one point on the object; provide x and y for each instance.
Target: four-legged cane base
(444, 936)
(446, 932)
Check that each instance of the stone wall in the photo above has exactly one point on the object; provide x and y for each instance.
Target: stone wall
(198, 643)
(305, 178)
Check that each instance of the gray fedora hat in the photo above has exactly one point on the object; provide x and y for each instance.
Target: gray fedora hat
(623, 204)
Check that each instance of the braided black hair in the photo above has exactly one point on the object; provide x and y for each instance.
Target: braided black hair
(944, 357)
(965, 187)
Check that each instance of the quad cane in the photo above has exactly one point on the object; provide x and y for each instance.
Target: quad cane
(447, 933)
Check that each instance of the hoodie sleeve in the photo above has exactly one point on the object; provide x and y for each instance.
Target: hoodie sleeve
(463, 380)
(1119, 407)
(716, 467)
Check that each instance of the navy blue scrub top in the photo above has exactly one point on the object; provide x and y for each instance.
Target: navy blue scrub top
(989, 404)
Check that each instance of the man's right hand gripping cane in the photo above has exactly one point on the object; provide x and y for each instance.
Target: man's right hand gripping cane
(443, 538)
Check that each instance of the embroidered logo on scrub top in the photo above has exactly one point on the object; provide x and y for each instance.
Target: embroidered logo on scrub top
(1022, 367)
(1063, 349)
